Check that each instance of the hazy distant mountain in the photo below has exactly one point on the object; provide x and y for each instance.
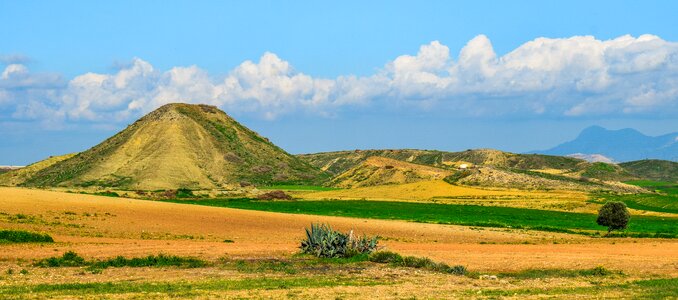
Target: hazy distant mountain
(592, 157)
(619, 145)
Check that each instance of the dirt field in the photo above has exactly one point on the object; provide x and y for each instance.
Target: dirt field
(103, 227)
(93, 224)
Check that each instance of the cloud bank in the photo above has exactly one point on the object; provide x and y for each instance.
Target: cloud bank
(568, 77)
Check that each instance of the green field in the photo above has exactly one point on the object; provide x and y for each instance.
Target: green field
(665, 198)
(470, 215)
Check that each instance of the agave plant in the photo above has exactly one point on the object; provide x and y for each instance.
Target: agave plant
(322, 241)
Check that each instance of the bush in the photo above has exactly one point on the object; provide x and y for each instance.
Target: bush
(396, 259)
(20, 236)
(614, 215)
(274, 195)
(68, 259)
(322, 241)
(184, 193)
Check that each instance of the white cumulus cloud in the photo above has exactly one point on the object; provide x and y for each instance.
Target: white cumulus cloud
(557, 77)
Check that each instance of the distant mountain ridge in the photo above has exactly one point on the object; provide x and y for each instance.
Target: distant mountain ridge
(619, 145)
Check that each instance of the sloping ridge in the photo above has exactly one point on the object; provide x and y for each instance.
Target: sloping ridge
(382, 171)
(340, 161)
(19, 176)
(180, 145)
(654, 169)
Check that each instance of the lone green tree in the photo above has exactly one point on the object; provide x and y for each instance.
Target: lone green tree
(613, 215)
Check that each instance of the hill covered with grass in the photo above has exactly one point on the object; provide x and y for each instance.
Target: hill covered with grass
(377, 170)
(180, 146)
(653, 169)
(490, 168)
(18, 176)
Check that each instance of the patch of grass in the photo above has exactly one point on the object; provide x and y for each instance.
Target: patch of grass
(21, 236)
(72, 259)
(664, 202)
(160, 260)
(396, 259)
(259, 266)
(548, 273)
(640, 289)
(181, 288)
(468, 215)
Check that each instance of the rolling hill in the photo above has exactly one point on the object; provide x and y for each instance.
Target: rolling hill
(180, 146)
(377, 170)
(18, 176)
(338, 162)
(653, 169)
(487, 168)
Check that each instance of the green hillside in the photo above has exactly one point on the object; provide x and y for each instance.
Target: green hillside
(653, 169)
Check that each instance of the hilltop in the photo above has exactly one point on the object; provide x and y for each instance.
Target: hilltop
(180, 146)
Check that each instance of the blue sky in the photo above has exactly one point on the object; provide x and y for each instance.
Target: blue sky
(319, 76)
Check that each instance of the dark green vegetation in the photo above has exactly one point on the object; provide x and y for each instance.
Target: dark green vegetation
(72, 259)
(21, 236)
(395, 259)
(470, 215)
(68, 259)
(614, 215)
(605, 171)
(653, 169)
(323, 241)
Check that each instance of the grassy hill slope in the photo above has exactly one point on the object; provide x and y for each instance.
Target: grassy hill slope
(180, 145)
(653, 169)
(19, 176)
(340, 161)
(380, 171)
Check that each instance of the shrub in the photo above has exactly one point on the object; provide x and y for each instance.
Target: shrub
(386, 257)
(614, 215)
(278, 194)
(184, 193)
(322, 241)
(20, 236)
(68, 259)
(597, 271)
(396, 259)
